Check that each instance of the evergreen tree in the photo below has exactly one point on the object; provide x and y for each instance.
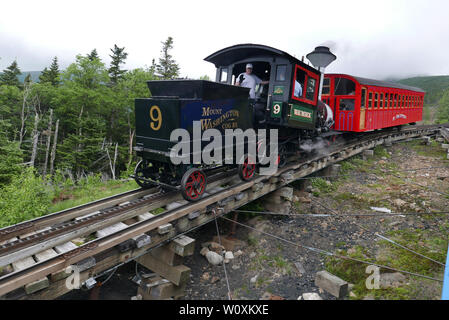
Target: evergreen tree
(9, 76)
(167, 66)
(118, 57)
(10, 156)
(27, 81)
(93, 55)
(51, 75)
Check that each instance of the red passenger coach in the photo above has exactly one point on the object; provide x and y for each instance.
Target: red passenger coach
(361, 104)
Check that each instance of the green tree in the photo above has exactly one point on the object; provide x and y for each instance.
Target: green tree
(118, 57)
(27, 81)
(10, 156)
(93, 55)
(10, 75)
(443, 108)
(51, 75)
(167, 67)
(26, 197)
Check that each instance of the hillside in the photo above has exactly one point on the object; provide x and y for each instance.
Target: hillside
(34, 75)
(433, 85)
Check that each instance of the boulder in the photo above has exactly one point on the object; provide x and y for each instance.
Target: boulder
(214, 258)
(311, 296)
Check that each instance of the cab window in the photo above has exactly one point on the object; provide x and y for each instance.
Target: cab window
(224, 75)
(305, 85)
(281, 71)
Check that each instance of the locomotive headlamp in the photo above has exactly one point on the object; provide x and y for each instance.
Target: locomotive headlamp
(321, 57)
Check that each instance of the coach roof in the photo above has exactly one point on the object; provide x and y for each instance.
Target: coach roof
(378, 83)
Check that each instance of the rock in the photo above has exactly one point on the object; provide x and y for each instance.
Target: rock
(226, 261)
(235, 267)
(391, 280)
(214, 258)
(229, 255)
(332, 284)
(216, 247)
(205, 276)
(253, 279)
(309, 189)
(352, 294)
(238, 253)
(204, 251)
(138, 297)
(300, 268)
(311, 296)
(266, 296)
(215, 279)
(252, 255)
(399, 202)
(368, 297)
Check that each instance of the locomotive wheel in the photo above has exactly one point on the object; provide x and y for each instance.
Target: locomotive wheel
(139, 172)
(193, 184)
(282, 158)
(247, 169)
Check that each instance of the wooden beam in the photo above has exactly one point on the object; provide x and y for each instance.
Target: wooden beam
(179, 275)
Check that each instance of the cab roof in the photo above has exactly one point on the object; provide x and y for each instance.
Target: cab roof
(232, 54)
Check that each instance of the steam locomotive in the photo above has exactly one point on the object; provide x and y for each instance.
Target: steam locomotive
(196, 107)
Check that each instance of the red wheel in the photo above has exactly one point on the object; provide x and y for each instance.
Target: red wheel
(247, 169)
(193, 184)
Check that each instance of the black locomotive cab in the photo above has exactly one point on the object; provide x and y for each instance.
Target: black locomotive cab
(285, 99)
(289, 99)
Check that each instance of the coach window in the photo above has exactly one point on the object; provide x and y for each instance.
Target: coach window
(370, 100)
(363, 99)
(391, 100)
(224, 75)
(281, 70)
(347, 104)
(344, 87)
(386, 100)
(381, 100)
(376, 100)
(326, 86)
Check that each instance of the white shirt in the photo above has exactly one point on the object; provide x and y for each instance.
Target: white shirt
(298, 89)
(250, 81)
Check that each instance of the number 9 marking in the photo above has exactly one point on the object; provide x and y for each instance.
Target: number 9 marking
(277, 109)
(155, 119)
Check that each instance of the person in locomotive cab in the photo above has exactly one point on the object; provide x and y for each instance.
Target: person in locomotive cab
(249, 80)
(298, 89)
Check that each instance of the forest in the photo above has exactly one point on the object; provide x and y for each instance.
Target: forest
(74, 127)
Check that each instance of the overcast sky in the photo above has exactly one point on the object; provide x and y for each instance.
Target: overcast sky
(376, 39)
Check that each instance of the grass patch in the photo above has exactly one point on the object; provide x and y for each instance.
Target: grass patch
(87, 192)
(430, 243)
(434, 150)
(324, 186)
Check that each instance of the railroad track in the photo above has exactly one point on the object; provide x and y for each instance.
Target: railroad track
(227, 193)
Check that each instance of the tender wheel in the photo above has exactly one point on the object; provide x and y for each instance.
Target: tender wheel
(193, 184)
(140, 172)
(247, 169)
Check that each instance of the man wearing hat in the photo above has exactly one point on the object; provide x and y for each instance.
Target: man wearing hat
(249, 80)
